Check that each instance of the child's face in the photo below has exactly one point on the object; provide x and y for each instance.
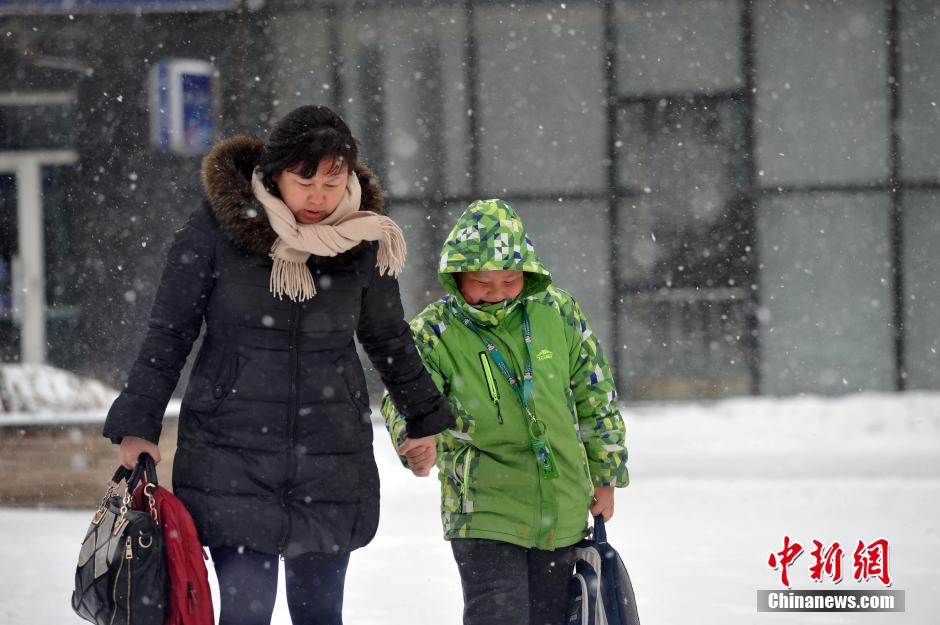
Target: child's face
(489, 287)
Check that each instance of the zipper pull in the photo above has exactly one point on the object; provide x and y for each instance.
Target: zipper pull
(491, 384)
(128, 554)
(191, 597)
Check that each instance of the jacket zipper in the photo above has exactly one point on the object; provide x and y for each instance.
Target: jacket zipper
(292, 411)
(464, 484)
(491, 384)
(496, 340)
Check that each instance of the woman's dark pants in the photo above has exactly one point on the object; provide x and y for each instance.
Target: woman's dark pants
(248, 586)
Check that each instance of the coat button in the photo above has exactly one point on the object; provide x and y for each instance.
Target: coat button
(217, 391)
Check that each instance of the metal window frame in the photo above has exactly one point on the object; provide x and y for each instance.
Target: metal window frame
(26, 167)
(613, 195)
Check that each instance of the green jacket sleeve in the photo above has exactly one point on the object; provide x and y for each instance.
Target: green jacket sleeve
(599, 422)
(395, 421)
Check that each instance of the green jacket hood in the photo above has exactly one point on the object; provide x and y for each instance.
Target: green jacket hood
(490, 236)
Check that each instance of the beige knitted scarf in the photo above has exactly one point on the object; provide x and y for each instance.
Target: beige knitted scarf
(342, 230)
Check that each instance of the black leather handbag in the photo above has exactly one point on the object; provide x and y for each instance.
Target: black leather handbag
(121, 578)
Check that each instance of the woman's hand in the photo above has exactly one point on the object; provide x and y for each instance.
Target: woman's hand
(420, 453)
(133, 446)
(603, 503)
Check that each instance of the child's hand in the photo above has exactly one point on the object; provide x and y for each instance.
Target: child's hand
(420, 453)
(603, 502)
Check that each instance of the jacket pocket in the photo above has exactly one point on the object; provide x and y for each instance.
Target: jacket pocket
(462, 470)
(586, 469)
(213, 385)
(351, 370)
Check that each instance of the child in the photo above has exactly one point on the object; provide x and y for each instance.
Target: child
(538, 433)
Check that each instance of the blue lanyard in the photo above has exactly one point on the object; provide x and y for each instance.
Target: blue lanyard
(544, 456)
(524, 391)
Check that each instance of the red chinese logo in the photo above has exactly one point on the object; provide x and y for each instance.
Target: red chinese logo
(789, 553)
(872, 561)
(828, 563)
(869, 561)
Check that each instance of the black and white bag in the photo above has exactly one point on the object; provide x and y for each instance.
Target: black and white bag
(600, 592)
(121, 575)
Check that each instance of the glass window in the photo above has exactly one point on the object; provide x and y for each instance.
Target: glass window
(822, 95)
(690, 225)
(9, 332)
(685, 343)
(685, 318)
(38, 125)
(418, 282)
(922, 289)
(571, 239)
(826, 300)
(61, 269)
(670, 46)
(404, 91)
(686, 261)
(61, 213)
(301, 60)
(920, 83)
(542, 120)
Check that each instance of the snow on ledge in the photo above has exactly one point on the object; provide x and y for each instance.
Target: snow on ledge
(40, 388)
(45, 395)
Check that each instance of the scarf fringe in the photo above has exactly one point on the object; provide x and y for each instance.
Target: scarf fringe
(392, 249)
(292, 279)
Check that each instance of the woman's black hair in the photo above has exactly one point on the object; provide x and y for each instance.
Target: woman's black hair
(303, 138)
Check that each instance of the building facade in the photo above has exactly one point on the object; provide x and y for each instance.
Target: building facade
(742, 194)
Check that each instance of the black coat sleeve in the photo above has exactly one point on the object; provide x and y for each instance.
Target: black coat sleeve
(175, 323)
(387, 340)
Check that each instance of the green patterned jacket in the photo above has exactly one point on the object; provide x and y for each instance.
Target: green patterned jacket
(491, 486)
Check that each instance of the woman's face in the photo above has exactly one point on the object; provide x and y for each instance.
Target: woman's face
(489, 287)
(313, 199)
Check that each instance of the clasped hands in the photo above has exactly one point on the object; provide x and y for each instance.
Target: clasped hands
(420, 454)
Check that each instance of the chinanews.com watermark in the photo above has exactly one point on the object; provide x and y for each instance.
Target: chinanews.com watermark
(830, 600)
(870, 563)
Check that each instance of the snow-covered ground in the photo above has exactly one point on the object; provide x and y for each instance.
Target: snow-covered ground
(715, 488)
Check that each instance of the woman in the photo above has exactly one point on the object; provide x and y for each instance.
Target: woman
(287, 258)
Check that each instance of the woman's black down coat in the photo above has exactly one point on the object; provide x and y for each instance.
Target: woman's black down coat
(275, 437)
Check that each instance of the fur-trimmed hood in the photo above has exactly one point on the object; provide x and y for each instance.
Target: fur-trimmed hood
(226, 178)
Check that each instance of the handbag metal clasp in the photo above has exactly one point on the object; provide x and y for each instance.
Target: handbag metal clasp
(149, 488)
(103, 506)
(122, 520)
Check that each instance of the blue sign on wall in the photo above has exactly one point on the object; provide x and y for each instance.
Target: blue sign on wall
(182, 106)
(197, 109)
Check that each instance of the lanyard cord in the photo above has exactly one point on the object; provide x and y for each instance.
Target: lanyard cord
(544, 456)
(524, 390)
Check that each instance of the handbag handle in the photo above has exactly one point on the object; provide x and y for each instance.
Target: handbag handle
(120, 475)
(600, 532)
(145, 467)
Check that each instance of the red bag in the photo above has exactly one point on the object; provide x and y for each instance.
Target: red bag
(190, 601)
